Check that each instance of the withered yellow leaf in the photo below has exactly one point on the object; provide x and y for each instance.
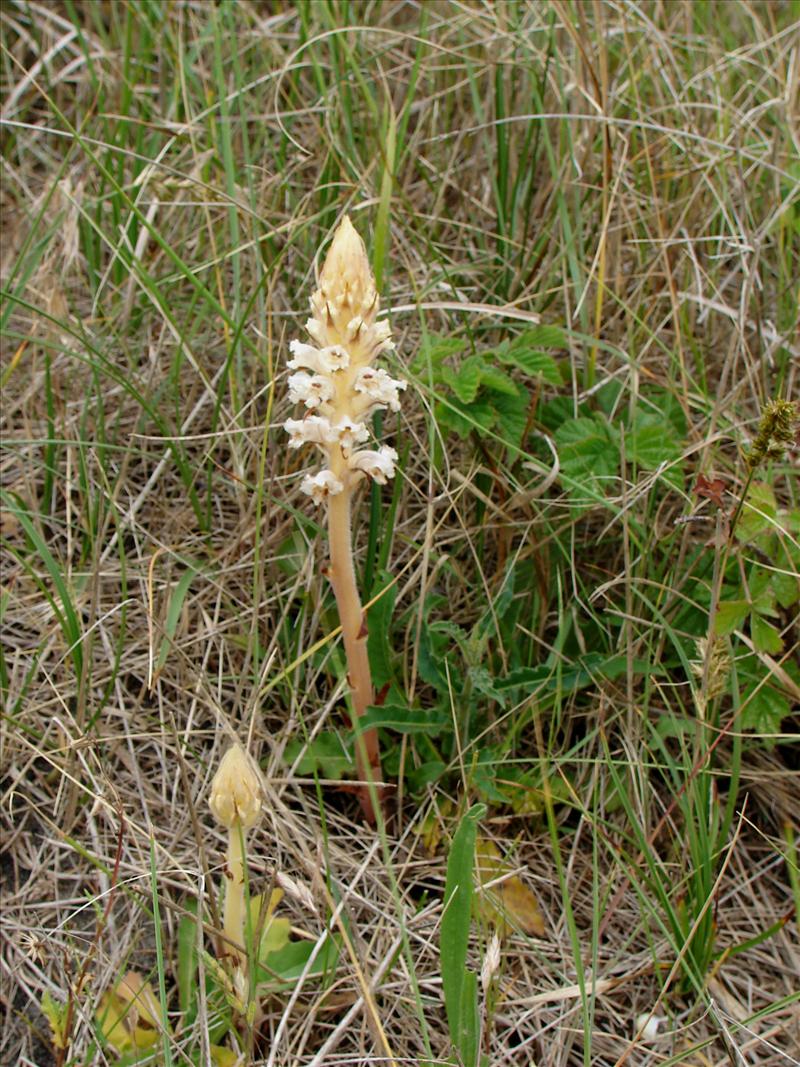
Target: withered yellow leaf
(128, 1014)
(507, 904)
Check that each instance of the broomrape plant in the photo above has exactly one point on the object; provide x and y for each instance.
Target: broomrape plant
(235, 802)
(336, 381)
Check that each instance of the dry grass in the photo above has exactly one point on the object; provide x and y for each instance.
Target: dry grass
(168, 174)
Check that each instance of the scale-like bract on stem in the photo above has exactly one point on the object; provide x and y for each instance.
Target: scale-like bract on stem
(337, 382)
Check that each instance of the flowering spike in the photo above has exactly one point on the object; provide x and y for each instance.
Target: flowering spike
(335, 378)
(336, 381)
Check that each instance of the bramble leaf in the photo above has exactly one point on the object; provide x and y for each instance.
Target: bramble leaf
(765, 637)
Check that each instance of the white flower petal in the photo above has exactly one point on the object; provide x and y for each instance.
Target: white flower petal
(313, 429)
(350, 433)
(304, 356)
(378, 465)
(324, 360)
(317, 331)
(312, 391)
(320, 486)
(381, 389)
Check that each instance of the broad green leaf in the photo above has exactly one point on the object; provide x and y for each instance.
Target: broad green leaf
(436, 349)
(287, 964)
(512, 416)
(759, 513)
(786, 588)
(730, 616)
(763, 708)
(574, 676)
(404, 720)
(466, 381)
(467, 1038)
(765, 637)
(650, 442)
(530, 362)
(325, 755)
(543, 336)
(498, 381)
(378, 629)
(588, 453)
(455, 925)
(224, 1057)
(426, 774)
(449, 418)
(483, 682)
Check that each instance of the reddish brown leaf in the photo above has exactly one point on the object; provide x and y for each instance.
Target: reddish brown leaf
(711, 490)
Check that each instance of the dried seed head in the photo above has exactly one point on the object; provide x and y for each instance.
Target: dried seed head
(491, 962)
(237, 792)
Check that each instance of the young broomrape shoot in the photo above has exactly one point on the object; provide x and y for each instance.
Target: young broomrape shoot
(336, 381)
(236, 800)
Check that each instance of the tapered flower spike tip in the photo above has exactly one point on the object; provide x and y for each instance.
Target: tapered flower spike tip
(237, 791)
(346, 283)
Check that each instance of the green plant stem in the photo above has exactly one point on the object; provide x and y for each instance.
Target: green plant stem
(354, 633)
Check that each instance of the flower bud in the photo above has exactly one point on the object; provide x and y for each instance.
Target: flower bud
(346, 284)
(237, 791)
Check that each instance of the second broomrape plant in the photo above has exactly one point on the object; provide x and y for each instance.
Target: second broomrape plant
(336, 381)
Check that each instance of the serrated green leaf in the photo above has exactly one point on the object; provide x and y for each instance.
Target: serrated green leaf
(466, 381)
(587, 452)
(730, 616)
(325, 755)
(650, 442)
(786, 588)
(56, 1015)
(765, 637)
(448, 417)
(512, 416)
(403, 720)
(543, 336)
(483, 682)
(436, 350)
(763, 709)
(498, 381)
(534, 363)
(572, 677)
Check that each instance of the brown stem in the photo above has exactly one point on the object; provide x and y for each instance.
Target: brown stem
(354, 632)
